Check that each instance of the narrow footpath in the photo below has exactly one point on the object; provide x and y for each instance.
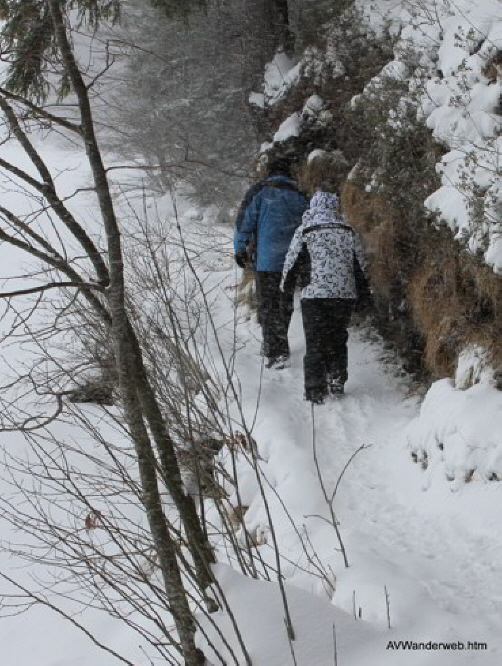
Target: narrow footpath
(422, 555)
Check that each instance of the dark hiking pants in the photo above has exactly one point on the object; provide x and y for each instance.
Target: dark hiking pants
(325, 323)
(275, 309)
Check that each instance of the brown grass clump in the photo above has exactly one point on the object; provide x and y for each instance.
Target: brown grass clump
(489, 288)
(455, 302)
(385, 239)
(327, 171)
(246, 291)
(423, 277)
(443, 346)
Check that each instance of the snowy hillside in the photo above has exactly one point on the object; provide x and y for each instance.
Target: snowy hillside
(447, 57)
(431, 550)
(457, 91)
(457, 88)
(361, 532)
(434, 554)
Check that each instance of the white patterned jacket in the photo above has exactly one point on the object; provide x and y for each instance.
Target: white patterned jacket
(331, 249)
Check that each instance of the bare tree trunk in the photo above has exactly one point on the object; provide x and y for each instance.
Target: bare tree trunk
(282, 25)
(164, 546)
(200, 549)
(136, 393)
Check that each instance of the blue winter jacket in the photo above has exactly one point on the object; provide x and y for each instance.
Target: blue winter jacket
(271, 218)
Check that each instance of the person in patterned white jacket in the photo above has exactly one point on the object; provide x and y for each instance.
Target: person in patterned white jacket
(328, 255)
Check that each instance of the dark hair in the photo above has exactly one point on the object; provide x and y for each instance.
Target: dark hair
(279, 165)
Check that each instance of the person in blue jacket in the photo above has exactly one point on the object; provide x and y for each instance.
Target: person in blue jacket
(263, 230)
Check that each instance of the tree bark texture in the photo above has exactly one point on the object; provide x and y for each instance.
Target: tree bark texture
(164, 545)
(260, 40)
(138, 398)
(280, 19)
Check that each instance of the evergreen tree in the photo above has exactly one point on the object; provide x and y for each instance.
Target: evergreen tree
(185, 99)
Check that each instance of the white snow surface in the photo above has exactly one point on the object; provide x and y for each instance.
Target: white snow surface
(435, 549)
(430, 539)
(288, 128)
(312, 106)
(318, 152)
(280, 74)
(456, 436)
(459, 91)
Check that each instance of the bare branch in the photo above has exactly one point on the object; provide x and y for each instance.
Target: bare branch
(51, 285)
(59, 264)
(110, 61)
(42, 112)
(48, 189)
(24, 427)
(44, 602)
(23, 226)
(363, 447)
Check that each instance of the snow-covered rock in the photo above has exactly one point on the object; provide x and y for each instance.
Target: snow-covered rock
(288, 128)
(455, 431)
(458, 91)
(280, 74)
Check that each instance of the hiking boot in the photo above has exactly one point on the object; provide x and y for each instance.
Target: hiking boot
(316, 396)
(278, 363)
(335, 386)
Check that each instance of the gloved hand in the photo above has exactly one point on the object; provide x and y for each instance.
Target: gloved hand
(241, 259)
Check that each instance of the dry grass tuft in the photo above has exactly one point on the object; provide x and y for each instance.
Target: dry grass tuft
(383, 238)
(453, 300)
(325, 172)
(456, 302)
(246, 291)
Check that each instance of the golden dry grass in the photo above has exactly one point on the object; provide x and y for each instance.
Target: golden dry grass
(246, 291)
(454, 300)
(373, 219)
(325, 172)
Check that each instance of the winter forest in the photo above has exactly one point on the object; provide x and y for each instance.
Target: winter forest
(199, 201)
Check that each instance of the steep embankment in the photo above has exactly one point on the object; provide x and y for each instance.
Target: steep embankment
(435, 553)
(412, 97)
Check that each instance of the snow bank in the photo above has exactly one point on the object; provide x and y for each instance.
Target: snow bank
(456, 429)
(257, 607)
(280, 74)
(457, 88)
(450, 55)
(288, 128)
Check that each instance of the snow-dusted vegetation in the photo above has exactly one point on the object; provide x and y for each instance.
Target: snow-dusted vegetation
(165, 498)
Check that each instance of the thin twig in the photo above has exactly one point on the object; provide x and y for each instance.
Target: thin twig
(361, 448)
(325, 492)
(50, 285)
(387, 605)
(290, 643)
(335, 647)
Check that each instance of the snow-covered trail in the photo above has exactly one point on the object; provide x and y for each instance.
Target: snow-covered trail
(438, 553)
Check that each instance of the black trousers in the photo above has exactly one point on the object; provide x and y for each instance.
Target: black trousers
(275, 309)
(325, 323)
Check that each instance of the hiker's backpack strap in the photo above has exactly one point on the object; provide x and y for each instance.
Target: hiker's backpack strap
(334, 225)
